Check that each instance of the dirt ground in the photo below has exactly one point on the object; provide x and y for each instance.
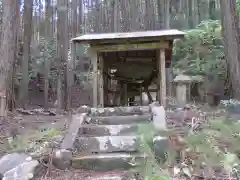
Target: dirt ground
(18, 125)
(21, 125)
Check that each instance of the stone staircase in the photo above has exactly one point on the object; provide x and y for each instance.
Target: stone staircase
(105, 141)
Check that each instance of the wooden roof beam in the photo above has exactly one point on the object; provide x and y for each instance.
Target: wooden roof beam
(131, 47)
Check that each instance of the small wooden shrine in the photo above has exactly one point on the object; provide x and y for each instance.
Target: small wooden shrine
(126, 64)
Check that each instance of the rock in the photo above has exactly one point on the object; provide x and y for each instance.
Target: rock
(84, 109)
(62, 159)
(160, 147)
(145, 99)
(17, 166)
(11, 161)
(24, 171)
(158, 116)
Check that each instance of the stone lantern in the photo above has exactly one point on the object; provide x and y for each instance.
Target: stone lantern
(182, 84)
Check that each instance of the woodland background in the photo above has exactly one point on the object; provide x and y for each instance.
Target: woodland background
(35, 48)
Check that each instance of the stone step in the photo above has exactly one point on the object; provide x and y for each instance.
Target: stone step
(107, 161)
(118, 120)
(112, 175)
(106, 144)
(119, 111)
(108, 130)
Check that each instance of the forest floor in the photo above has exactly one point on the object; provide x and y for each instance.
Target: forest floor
(28, 128)
(28, 133)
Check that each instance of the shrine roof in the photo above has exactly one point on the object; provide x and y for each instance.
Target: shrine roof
(169, 34)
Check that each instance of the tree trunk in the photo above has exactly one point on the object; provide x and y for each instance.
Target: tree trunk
(47, 34)
(71, 64)
(7, 49)
(167, 14)
(62, 38)
(80, 14)
(212, 9)
(231, 31)
(12, 71)
(27, 18)
(190, 14)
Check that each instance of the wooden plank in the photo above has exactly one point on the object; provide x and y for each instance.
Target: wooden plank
(100, 80)
(158, 81)
(127, 80)
(129, 40)
(134, 64)
(133, 90)
(141, 96)
(130, 47)
(163, 78)
(94, 60)
(141, 60)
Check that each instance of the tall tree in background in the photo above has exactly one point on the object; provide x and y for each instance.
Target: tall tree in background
(231, 32)
(88, 16)
(212, 9)
(62, 49)
(27, 19)
(190, 14)
(7, 49)
(71, 60)
(12, 71)
(48, 36)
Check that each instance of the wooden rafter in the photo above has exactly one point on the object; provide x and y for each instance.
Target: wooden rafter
(130, 47)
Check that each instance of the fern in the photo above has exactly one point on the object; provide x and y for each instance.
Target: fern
(216, 146)
(150, 168)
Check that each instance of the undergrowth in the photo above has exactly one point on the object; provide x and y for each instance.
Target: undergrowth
(36, 143)
(211, 151)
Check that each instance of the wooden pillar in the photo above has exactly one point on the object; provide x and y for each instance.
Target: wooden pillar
(100, 80)
(121, 93)
(141, 96)
(109, 87)
(105, 85)
(161, 95)
(94, 60)
(125, 94)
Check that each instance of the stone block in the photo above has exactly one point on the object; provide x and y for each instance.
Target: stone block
(106, 162)
(62, 159)
(120, 111)
(108, 130)
(158, 115)
(160, 148)
(106, 144)
(117, 120)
